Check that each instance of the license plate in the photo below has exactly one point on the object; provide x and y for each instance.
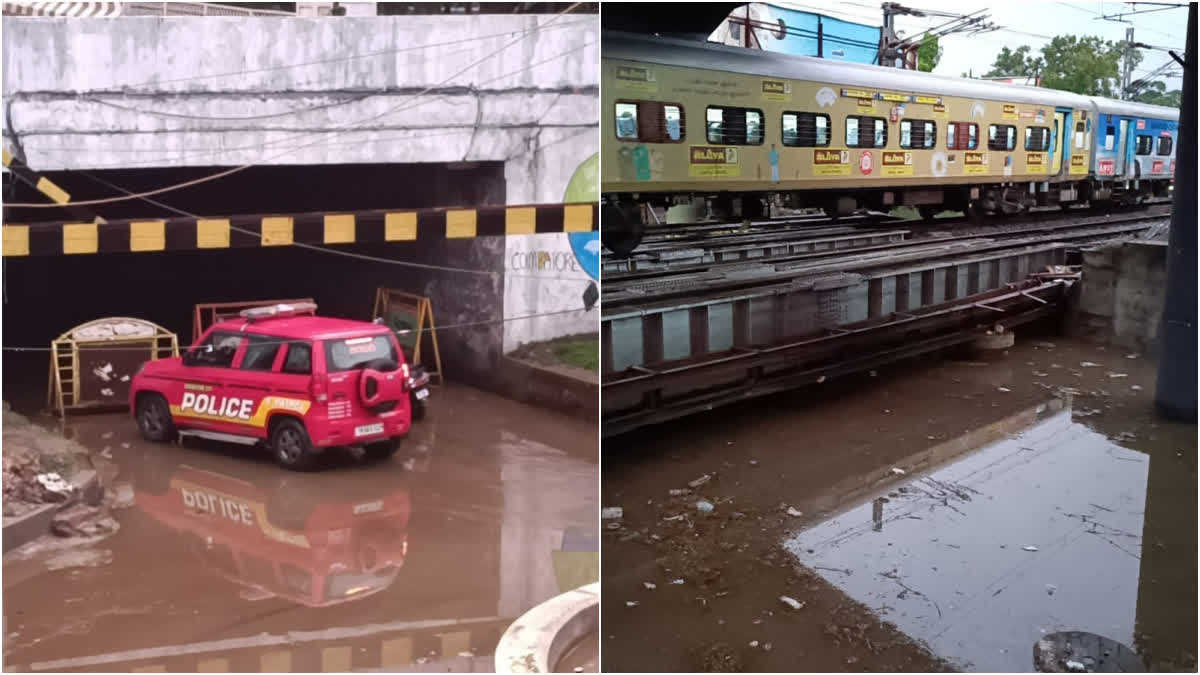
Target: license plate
(368, 430)
(369, 507)
(422, 394)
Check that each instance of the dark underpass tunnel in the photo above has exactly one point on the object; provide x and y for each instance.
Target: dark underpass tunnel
(47, 296)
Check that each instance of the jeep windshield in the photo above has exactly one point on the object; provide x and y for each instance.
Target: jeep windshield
(355, 353)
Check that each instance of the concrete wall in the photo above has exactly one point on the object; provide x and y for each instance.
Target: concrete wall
(547, 278)
(1121, 295)
(184, 91)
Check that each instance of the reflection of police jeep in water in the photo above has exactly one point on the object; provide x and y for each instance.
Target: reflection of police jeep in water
(292, 538)
(297, 383)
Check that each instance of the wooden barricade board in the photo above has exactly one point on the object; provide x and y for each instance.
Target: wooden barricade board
(92, 365)
(411, 317)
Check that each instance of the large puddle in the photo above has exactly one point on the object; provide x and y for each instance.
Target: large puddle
(1037, 533)
(226, 562)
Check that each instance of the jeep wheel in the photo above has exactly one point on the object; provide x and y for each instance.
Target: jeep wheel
(291, 445)
(154, 418)
(383, 449)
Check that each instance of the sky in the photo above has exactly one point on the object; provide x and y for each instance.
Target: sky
(1025, 22)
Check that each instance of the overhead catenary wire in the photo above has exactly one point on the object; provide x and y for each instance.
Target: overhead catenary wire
(346, 129)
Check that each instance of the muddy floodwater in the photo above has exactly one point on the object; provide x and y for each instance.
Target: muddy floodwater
(225, 562)
(941, 515)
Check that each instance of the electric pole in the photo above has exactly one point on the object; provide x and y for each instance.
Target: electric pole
(1127, 70)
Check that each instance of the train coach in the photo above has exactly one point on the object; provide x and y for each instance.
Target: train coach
(686, 121)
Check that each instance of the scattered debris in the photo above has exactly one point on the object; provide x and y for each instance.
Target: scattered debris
(820, 379)
(612, 526)
(1076, 667)
(649, 586)
(1003, 389)
(791, 511)
(55, 483)
(677, 582)
(1113, 376)
(1050, 589)
(791, 602)
(898, 471)
(632, 603)
(1043, 345)
(678, 517)
(768, 647)
(1029, 548)
(874, 374)
(704, 506)
(1132, 356)
(679, 492)
(754, 644)
(1088, 364)
(106, 435)
(611, 512)
(1135, 387)
(700, 481)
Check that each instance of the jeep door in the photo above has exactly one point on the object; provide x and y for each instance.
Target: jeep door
(206, 369)
(253, 379)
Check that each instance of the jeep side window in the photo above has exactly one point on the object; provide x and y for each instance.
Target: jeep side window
(218, 350)
(299, 359)
(260, 353)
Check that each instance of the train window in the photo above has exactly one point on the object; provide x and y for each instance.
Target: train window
(627, 126)
(866, 132)
(734, 126)
(962, 136)
(918, 133)
(1110, 137)
(649, 122)
(1037, 139)
(1002, 137)
(805, 130)
(1079, 139)
(1164, 145)
(1144, 144)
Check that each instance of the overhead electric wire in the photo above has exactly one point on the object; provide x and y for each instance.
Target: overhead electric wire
(348, 128)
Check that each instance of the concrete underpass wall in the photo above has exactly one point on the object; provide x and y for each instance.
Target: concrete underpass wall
(46, 296)
(224, 91)
(1121, 295)
(550, 278)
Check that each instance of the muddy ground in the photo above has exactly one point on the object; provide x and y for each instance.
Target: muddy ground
(224, 561)
(685, 590)
(32, 450)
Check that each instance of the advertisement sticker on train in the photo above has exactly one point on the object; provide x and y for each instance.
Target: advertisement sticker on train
(856, 93)
(1010, 111)
(775, 90)
(1078, 165)
(635, 78)
(713, 162)
(894, 98)
(831, 162)
(1156, 166)
(1141, 124)
(897, 164)
(939, 111)
(1172, 166)
(1106, 167)
(975, 162)
(866, 162)
(1035, 162)
(929, 100)
(865, 105)
(1026, 114)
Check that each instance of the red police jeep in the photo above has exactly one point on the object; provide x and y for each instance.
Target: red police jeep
(296, 382)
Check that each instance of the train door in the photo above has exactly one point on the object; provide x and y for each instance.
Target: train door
(1124, 148)
(1062, 120)
(1056, 136)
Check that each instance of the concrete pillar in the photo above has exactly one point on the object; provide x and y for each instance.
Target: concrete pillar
(1175, 397)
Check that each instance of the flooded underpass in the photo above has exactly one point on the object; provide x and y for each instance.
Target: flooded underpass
(941, 515)
(225, 562)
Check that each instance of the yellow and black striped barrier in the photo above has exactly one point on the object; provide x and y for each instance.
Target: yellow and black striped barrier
(362, 227)
(49, 188)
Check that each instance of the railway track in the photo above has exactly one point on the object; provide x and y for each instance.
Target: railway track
(690, 336)
(686, 275)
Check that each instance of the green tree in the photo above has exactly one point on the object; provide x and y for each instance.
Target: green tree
(1015, 63)
(1088, 65)
(928, 54)
(1155, 93)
